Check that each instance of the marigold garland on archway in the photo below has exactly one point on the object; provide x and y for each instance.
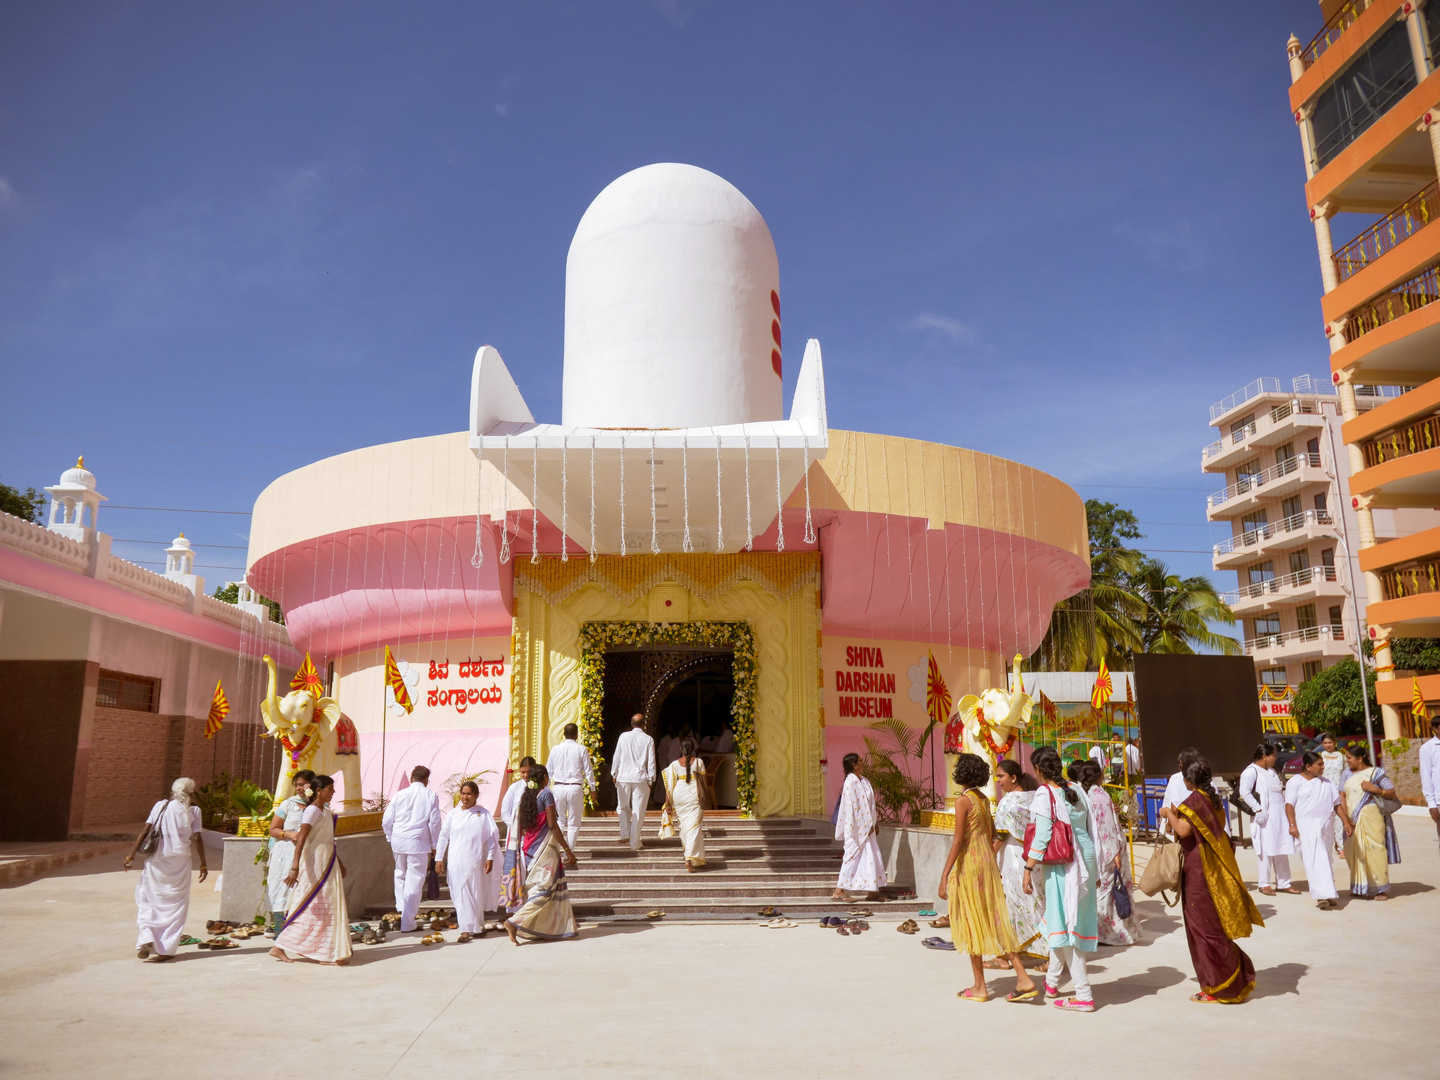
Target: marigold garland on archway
(597, 636)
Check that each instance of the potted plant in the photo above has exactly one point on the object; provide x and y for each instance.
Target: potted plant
(253, 805)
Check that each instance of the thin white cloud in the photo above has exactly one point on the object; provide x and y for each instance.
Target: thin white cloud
(956, 330)
(502, 109)
(7, 193)
(1177, 245)
(675, 12)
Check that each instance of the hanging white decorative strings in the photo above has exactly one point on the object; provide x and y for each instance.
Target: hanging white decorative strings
(719, 503)
(685, 542)
(945, 550)
(592, 498)
(654, 536)
(622, 494)
(477, 556)
(809, 521)
(749, 529)
(564, 498)
(889, 495)
(505, 502)
(535, 499)
(779, 502)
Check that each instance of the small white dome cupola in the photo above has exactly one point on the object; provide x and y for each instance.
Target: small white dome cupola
(180, 564)
(75, 503)
(179, 557)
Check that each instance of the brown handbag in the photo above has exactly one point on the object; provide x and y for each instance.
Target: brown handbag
(1162, 872)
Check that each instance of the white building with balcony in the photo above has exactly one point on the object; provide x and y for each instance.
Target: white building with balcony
(1285, 498)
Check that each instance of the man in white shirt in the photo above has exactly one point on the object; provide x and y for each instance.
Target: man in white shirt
(570, 773)
(633, 767)
(1099, 756)
(1175, 790)
(1132, 758)
(412, 823)
(1430, 773)
(1263, 796)
(510, 815)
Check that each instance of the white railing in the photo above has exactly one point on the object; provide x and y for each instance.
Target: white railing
(221, 611)
(1308, 384)
(1244, 394)
(127, 575)
(1313, 575)
(1252, 537)
(1332, 632)
(1260, 479)
(39, 541)
(1215, 449)
(1382, 391)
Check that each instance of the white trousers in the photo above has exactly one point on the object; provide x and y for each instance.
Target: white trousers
(409, 884)
(1273, 865)
(1067, 956)
(568, 800)
(467, 887)
(1315, 845)
(630, 802)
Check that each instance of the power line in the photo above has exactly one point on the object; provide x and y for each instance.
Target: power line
(227, 547)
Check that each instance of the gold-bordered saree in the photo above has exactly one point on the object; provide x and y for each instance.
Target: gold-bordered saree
(1216, 905)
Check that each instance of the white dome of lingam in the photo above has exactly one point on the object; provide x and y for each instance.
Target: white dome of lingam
(672, 306)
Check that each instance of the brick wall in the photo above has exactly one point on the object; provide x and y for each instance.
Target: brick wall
(133, 758)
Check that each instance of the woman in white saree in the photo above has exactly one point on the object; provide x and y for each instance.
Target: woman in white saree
(284, 828)
(467, 853)
(685, 782)
(162, 899)
(857, 825)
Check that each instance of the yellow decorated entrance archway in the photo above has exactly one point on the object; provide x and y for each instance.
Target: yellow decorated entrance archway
(774, 596)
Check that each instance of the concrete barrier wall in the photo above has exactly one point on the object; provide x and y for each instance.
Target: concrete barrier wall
(369, 877)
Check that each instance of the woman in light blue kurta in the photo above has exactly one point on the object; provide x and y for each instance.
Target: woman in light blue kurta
(1071, 921)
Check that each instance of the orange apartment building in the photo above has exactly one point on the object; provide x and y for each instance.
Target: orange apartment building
(1365, 94)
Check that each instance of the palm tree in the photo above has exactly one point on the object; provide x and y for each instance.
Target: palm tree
(1101, 622)
(1179, 613)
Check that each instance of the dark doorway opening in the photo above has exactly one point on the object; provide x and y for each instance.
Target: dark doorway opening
(680, 691)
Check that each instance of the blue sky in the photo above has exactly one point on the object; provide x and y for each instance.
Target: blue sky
(237, 239)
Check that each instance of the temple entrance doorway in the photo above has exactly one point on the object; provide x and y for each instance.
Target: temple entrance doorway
(681, 692)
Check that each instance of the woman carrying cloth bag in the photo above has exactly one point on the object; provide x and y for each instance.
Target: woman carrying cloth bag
(1217, 906)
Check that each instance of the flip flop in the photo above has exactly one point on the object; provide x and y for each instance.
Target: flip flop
(1073, 1005)
(768, 911)
(842, 931)
(860, 913)
(927, 912)
(942, 923)
(909, 926)
(970, 995)
(188, 940)
(1023, 995)
(779, 924)
(463, 938)
(938, 943)
(1203, 998)
(656, 914)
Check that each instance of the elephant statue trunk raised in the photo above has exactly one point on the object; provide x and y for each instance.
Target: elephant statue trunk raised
(306, 724)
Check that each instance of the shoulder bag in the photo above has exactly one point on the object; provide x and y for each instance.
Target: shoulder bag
(1388, 804)
(1121, 892)
(1061, 848)
(150, 842)
(1162, 872)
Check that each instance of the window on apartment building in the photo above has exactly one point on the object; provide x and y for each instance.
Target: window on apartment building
(1322, 502)
(1312, 450)
(1337, 618)
(1310, 669)
(1284, 453)
(1266, 624)
(1257, 576)
(1362, 93)
(1274, 676)
(1238, 430)
(1305, 617)
(1299, 560)
(1291, 506)
(117, 690)
(1327, 560)
(1255, 520)
(1247, 476)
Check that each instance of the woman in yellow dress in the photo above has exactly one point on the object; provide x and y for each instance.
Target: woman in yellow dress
(979, 919)
(1371, 847)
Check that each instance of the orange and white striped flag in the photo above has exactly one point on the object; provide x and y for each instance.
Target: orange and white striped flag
(1104, 687)
(219, 709)
(307, 678)
(396, 682)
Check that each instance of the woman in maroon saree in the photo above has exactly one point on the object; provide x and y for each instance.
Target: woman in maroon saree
(1213, 897)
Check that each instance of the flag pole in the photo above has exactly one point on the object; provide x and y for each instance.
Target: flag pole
(384, 730)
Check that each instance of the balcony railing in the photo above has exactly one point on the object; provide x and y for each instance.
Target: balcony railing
(1251, 537)
(1331, 632)
(1413, 438)
(1313, 575)
(1213, 450)
(1421, 290)
(1411, 579)
(1300, 384)
(1337, 24)
(1256, 480)
(1395, 227)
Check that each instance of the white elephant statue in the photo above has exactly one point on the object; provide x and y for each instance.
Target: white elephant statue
(994, 720)
(315, 735)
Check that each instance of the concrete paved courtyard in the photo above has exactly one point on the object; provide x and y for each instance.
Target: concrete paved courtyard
(720, 1000)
